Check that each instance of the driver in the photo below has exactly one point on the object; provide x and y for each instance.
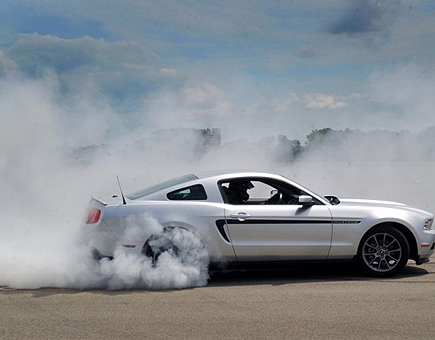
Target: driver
(237, 192)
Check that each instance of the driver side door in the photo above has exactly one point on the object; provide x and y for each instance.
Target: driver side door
(275, 232)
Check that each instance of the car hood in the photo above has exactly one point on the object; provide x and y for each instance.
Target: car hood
(368, 202)
(378, 203)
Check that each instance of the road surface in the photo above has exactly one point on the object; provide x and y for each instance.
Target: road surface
(297, 303)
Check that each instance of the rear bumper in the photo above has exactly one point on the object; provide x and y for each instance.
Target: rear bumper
(98, 256)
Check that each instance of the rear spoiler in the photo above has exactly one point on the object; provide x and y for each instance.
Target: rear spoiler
(98, 200)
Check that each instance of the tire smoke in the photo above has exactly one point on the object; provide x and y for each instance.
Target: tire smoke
(45, 189)
(135, 271)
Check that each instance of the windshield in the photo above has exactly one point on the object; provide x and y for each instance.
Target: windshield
(160, 186)
(308, 191)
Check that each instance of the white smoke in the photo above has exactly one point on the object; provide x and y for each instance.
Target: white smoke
(135, 271)
(44, 190)
(44, 194)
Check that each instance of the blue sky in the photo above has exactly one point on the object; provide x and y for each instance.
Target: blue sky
(253, 68)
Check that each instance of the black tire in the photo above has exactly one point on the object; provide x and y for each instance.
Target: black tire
(383, 252)
(179, 243)
(159, 243)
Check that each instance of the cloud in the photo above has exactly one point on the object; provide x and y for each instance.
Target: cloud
(306, 51)
(322, 101)
(356, 96)
(194, 104)
(202, 94)
(407, 93)
(7, 65)
(125, 71)
(221, 64)
(363, 16)
(34, 51)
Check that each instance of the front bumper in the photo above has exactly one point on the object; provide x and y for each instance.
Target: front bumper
(420, 260)
(426, 244)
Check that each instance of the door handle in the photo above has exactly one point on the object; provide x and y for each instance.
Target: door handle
(241, 216)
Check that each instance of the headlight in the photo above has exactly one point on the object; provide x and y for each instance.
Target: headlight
(428, 224)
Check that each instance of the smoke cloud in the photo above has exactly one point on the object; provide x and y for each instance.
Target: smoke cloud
(54, 155)
(128, 270)
(45, 191)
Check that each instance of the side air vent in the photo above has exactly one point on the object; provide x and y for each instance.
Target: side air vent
(220, 225)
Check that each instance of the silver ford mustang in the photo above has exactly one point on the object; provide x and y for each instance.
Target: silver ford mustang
(249, 217)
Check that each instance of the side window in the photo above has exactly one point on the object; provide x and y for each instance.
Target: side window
(246, 191)
(192, 193)
(260, 191)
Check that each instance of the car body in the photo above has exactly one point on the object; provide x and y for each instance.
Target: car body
(279, 220)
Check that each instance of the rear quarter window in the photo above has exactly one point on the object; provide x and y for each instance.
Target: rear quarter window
(192, 193)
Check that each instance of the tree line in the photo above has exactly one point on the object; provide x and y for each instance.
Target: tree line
(355, 145)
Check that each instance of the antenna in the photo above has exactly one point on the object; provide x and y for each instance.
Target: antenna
(122, 194)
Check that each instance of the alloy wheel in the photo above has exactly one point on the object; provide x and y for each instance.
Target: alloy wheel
(382, 252)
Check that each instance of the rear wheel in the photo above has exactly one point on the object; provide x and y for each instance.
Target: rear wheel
(159, 243)
(179, 243)
(384, 251)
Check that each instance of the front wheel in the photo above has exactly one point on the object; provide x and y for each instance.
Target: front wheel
(384, 251)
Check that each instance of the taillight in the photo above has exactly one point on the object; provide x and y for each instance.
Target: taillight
(93, 216)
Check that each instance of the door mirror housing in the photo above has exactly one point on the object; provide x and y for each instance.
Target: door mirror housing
(273, 192)
(306, 200)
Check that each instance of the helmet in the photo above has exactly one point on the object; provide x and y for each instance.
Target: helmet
(240, 189)
(246, 185)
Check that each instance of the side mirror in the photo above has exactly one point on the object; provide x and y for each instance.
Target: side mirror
(273, 192)
(306, 200)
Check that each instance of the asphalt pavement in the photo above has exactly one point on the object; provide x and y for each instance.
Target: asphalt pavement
(309, 302)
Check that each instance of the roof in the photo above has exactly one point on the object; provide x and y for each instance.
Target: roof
(241, 173)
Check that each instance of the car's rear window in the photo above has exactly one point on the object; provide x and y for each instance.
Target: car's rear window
(192, 193)
(163, 185)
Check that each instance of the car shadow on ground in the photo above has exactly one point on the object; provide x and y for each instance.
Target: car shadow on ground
(275, 275)
(300, 273)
